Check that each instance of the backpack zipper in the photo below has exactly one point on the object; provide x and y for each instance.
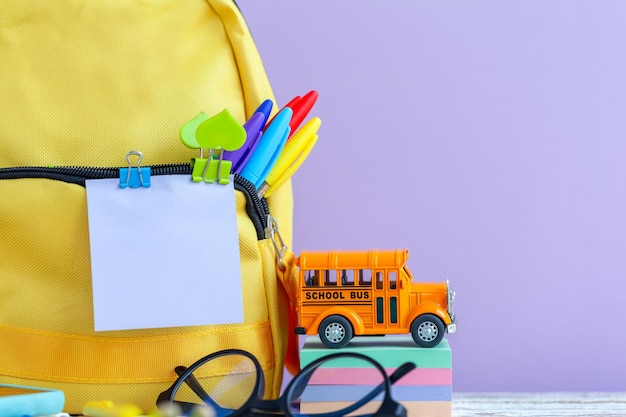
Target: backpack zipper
(256, 208)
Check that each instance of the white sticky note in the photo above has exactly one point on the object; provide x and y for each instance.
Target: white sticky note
(164, 256)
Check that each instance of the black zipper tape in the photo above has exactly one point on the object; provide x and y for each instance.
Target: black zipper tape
(256, 208)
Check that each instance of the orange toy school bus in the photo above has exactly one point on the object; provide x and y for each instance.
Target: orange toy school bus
(347, 293)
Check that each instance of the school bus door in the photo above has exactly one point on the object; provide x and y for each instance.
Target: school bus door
(386, 297)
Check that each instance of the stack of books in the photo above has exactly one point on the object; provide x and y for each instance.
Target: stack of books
(425, 391)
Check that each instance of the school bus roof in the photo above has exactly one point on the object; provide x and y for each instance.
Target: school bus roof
(340, 259)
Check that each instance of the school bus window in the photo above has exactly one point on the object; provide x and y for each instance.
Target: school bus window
(312, 278)
(380, 310)
(379, 280)
(330, 278)
(392, 280)
(347, 277)
(365, 277)
(393, 309)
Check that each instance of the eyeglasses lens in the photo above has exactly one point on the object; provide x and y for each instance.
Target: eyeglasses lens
(226, 382)
(339, 384)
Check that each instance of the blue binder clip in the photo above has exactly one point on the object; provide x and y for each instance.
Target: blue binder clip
(134, 176)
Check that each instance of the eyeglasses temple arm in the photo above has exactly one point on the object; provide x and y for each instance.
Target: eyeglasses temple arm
(404, 369)
(195, 386)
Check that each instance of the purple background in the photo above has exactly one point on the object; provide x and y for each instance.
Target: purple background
(487, 137)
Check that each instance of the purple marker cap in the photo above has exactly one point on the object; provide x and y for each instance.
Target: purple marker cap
(253, 129)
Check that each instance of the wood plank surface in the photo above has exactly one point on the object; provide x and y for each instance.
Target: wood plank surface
(605, 404)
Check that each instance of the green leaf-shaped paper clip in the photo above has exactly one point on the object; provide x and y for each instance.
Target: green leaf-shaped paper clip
(219, 133)
(188, 137)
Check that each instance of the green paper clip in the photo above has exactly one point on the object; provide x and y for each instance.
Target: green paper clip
(197, 168)
(210, 171)
(188, 131)
(188, 137)
(218, 133)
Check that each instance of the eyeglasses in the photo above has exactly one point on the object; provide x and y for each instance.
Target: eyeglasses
(231, 382)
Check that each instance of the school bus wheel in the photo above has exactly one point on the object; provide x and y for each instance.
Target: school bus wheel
(335, 332)
(427, 330)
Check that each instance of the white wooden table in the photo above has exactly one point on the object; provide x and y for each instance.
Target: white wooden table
(605, 404)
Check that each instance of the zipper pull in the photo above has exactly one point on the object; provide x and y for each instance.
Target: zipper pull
(271, 232)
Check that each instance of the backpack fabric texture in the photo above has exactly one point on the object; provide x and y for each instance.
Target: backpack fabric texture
(81, 84)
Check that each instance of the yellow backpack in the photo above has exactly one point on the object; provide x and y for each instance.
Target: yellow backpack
(81, 84)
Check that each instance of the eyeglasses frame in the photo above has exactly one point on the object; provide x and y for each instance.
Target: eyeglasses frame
(255, 405)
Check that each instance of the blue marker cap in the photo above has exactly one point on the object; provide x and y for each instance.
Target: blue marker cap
(266, 109)
(268, 148)
(273, 159)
